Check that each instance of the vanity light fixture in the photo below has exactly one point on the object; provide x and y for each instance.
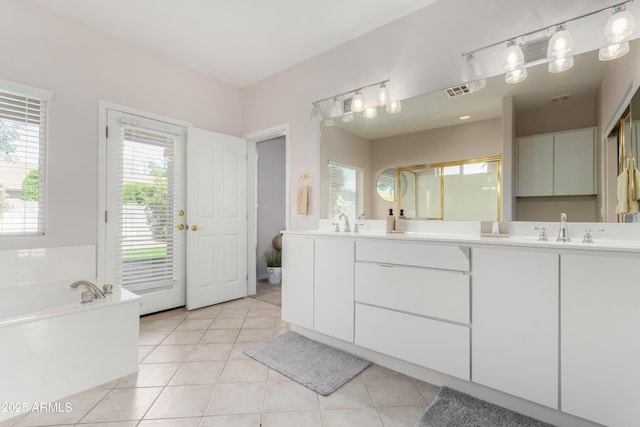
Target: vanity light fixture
(471, 74)
(558, 41)
(513, 66)
(619, 29)
(344, 105)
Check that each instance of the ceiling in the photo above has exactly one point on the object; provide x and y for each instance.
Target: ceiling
(237, 41)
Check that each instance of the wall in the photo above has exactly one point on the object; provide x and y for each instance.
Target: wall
(271, 196)
(344, 147)
(419, 53)
(462, 142)
(82, 66)
(557, 117)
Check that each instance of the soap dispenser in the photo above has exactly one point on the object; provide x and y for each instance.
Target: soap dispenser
(400, 222)
(391, 222)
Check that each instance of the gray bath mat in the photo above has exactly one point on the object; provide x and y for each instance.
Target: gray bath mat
(316, 366)
(451, 408)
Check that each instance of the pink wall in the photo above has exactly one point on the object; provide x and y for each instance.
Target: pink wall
(82, 66)
(419, 53)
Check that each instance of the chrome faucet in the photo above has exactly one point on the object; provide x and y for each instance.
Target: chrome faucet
(97, 293)
(360, 218)
(563, 233)
(347, 227)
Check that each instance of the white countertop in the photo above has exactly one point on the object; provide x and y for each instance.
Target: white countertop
(443, 233)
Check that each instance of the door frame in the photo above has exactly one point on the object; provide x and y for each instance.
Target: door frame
(103, 106)
(252, 193)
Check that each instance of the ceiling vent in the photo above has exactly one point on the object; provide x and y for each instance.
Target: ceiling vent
(454, 91)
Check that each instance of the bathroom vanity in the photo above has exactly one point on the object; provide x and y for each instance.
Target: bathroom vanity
(553, 323)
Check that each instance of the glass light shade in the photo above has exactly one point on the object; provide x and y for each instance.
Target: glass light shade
(337, 107)
(513, 57)
(370, 112)
(316, 114)
(561, 64)
(561, 44)
(471, 74)
(515, 76)
(394, 107)
(620, 26)
(383, 96)
(347, 118)
(329, 122)
(357, 103)
(613, 51)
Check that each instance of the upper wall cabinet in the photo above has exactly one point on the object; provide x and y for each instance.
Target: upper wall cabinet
(557, 164)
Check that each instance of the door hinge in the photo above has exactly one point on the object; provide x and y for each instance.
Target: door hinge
(106, 131)
(106, 216)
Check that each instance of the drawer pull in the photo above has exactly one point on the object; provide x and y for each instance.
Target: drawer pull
(386, 265)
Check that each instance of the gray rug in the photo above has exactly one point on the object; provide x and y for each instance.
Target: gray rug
(451, 408)
(316, 366)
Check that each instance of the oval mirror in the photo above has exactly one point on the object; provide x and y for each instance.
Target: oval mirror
(386, 185)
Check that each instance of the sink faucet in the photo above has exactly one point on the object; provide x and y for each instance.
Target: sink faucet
(360, 218)
(97, 293)
(563, 233)
(347, 227)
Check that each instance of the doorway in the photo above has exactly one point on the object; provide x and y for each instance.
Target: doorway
(271, 210)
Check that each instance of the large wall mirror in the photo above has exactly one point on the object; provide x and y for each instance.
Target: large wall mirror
(434, 128)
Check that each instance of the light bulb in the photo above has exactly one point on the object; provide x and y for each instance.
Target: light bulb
(357, 102)
(561, 64)
(515, 76)
(383, 95)
(337, 107)
(561, 43)
(394, 107)
(316, 113)
(370, 112)
(613, 51)
(513, 57)
(620, 26)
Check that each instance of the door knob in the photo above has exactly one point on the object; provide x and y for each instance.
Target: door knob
(196, 228)
(180, 226)
(180, 212)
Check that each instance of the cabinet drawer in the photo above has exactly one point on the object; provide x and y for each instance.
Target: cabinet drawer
(419, 254)
(436, 345)
(433, 293)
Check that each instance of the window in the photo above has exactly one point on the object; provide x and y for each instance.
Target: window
(23, 130)
(345, 190)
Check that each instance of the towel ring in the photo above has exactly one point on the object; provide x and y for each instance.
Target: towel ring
(305, 179)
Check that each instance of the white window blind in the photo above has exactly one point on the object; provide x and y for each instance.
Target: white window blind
(146, 174)
(345, 191)
(23, 130)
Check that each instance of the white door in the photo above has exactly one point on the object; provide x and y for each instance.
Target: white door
(216, 218)
(145, 194)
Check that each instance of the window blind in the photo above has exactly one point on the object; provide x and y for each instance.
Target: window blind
(344, 193)
(147, 170)
(23, 131)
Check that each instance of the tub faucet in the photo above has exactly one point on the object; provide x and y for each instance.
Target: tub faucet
(97, 293)
(563, 233)
(347, 227)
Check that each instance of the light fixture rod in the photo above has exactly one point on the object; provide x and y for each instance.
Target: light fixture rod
(350, 91)
(549, 26)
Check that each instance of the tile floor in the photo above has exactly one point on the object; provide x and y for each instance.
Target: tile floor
(267, 292)
(192, 372)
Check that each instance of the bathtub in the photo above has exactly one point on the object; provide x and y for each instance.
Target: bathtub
(53, 346)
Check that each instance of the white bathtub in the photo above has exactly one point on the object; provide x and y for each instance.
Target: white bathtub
(52, 345)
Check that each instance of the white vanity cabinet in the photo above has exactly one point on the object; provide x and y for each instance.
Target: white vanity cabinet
(515, 322)
(413, 303)
(600, 337)
(297, 280)
(557, 164)
(333, 289)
